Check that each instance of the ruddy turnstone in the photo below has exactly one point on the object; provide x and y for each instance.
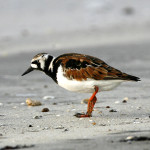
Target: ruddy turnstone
(80, 73)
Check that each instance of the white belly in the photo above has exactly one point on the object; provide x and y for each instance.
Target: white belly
(85, 86)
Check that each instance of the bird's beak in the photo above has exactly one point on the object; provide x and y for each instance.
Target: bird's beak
(28, 71)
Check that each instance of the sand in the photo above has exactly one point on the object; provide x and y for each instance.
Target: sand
(116, 32)
(58, 128)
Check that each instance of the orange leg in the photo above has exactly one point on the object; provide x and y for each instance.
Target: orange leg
(90, 107)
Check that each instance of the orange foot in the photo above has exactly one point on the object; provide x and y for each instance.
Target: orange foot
(90, 107)
(82, 115)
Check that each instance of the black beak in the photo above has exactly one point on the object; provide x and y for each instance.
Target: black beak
(28, 71)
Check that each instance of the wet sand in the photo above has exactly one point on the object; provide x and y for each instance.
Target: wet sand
(58, 128)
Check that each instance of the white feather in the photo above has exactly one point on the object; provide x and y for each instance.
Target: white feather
(85, 86)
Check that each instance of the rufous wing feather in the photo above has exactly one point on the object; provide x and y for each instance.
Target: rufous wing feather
(83, 67)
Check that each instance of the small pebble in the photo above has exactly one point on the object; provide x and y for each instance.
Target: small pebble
(139, 108)
(135, 138)
(102, 125)
(48, 97)
(37, 117)
(54, 103)
(113, 110)
(73, 109)
(66, 130)
(30, 125)
(94, 123)
(84, 101)
(90, 120)
(107, 106)
(129, 137)
(117, 102)
(59, 127)
(124, 101)
(45, 110)
(95, 109)
(22, 103)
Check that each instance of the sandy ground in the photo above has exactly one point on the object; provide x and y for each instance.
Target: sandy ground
(113, 30)
(58, 128)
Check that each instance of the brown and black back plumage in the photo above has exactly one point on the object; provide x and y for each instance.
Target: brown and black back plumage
(83, 67)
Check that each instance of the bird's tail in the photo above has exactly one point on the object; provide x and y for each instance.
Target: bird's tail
(132, 78)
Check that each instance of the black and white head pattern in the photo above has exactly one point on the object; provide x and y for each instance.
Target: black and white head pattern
(41, 61)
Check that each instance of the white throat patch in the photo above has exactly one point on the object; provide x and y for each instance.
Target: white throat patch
(34, 66)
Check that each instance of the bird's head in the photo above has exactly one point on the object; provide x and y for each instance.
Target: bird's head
(39, 62)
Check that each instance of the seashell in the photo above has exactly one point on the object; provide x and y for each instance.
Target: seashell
(30, 102)
(84, 101)
(48, 97)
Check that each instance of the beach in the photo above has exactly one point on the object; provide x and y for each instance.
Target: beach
(121, 117)
(58, 128)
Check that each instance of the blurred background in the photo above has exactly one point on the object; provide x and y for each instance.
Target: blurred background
(63, 24)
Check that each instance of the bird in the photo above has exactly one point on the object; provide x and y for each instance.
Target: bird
(80, 73)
